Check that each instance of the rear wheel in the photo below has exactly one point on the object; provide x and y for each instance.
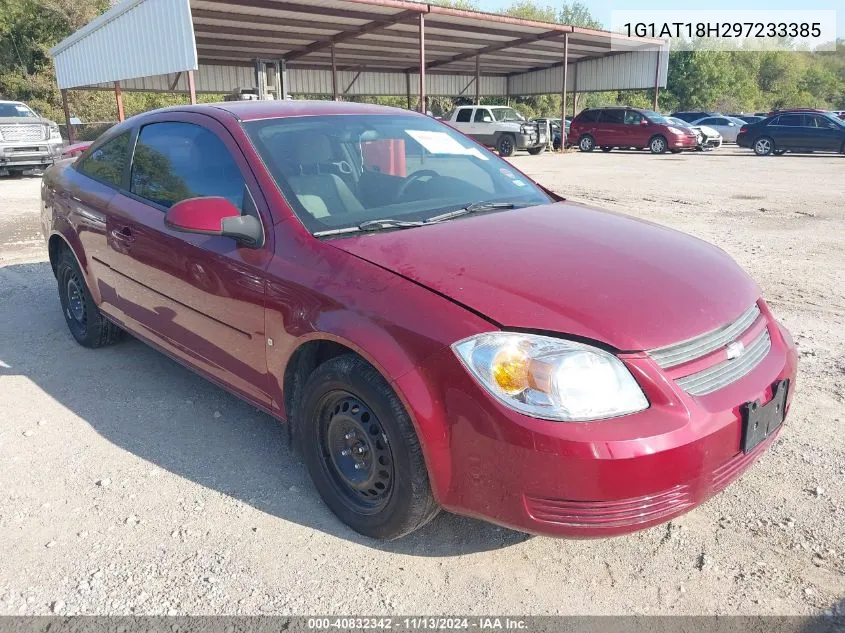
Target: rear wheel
(764, 146)
(84, 320)
(506, 145)
(587, 143)
(657, 145)
(362, 451)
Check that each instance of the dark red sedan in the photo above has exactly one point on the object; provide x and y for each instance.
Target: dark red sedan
(438, 330)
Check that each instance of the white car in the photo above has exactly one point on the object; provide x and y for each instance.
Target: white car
(727, 126)
(708, 138)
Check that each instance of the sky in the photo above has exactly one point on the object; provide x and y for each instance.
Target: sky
(602, 8)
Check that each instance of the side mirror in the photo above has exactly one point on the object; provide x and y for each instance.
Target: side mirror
(214, 216)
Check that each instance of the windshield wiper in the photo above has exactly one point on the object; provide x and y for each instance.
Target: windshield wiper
(372, 225)
(390, 223)
(475, 207)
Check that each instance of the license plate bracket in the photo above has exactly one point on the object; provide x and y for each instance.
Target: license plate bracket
(760, 421)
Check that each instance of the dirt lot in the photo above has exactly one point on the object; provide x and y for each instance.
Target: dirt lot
(129, 485)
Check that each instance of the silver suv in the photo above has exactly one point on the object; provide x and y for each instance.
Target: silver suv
(27, 141)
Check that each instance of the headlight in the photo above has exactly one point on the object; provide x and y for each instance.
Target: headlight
(677, 131)
(551, 378)
(55, 133)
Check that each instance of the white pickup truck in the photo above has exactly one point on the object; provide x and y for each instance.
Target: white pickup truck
(27, 141)
(500, 127)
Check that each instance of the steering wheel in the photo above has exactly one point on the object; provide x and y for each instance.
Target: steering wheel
(417, 175)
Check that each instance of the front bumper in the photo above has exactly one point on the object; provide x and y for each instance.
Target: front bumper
(527, 141)
(28, 155)
(586, 479)
(682, 142)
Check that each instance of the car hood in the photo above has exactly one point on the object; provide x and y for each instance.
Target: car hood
(6, 120)
(570, 269)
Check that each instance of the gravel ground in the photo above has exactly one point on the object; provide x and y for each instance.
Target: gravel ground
(128, 485)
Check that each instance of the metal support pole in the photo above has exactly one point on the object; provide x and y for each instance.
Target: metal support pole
(656, 80)
(575, 89)
(192, 87)
(334, 75)
(71, 133)
(408, 87)
(118, 96)
(563, 88)
(422, 63)
(260, 78)
(283, 79)
(478, 80)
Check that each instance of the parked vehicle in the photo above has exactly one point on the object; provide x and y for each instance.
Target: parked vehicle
(840, 114)
(554, 126)
(27, 141)
(436, 329)
(798, 131)
(706, 137)
(748, 118)
(499, 127)
(72, 151)
(628, 127)
(689, 117)
(727, 126)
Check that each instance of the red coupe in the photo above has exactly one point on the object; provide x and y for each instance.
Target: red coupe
(438, 330)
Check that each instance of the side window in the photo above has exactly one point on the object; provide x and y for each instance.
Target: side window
(710, 121)
(587, 116)
(775, 121)
(482, 115)
(613, 116)
(107, 162)
(821, 122)
(464, 115)
(791, 120)
(633, 118)
(176, 161)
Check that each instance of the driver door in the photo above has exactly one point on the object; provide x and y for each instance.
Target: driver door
(483, 127)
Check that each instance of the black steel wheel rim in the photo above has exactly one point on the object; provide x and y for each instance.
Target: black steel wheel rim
(355, 452)
(507, 146)
(75, 302)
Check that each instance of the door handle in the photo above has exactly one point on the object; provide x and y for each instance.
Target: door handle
(123, 235)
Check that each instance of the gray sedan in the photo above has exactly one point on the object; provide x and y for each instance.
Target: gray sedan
(727, 126)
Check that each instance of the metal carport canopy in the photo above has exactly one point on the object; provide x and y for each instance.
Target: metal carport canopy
(145, 38)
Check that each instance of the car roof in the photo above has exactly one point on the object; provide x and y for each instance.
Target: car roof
(273, 109)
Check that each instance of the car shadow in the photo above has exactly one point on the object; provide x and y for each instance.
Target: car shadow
(149, 405)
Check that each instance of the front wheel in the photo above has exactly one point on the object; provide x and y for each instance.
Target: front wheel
(84, 320)
(362, 451)
(587, 144)
(657, 145)
(506, 145)
(536, 150)
(764, 146)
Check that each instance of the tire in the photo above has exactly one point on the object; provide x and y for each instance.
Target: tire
(764, 146)
(84, 320)
(606, 148)
(587, 143)
(391, 495)
(536, 150)
(506, 145)
(657, 145)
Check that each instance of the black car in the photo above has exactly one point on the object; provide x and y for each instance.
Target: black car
(794, 132)
(689, 117)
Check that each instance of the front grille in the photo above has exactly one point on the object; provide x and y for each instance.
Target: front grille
(24, 132)
(680, 353)
(726, 372)
(633, 511)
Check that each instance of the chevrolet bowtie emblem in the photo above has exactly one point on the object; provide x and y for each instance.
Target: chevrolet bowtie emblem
(735, 350)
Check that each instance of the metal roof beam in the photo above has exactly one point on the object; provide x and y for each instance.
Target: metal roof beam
(370, 27)
(495, 47)
(316, 10)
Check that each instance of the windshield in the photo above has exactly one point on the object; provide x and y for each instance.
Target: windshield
(506, 114)
(16, 110)
(342, 171)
